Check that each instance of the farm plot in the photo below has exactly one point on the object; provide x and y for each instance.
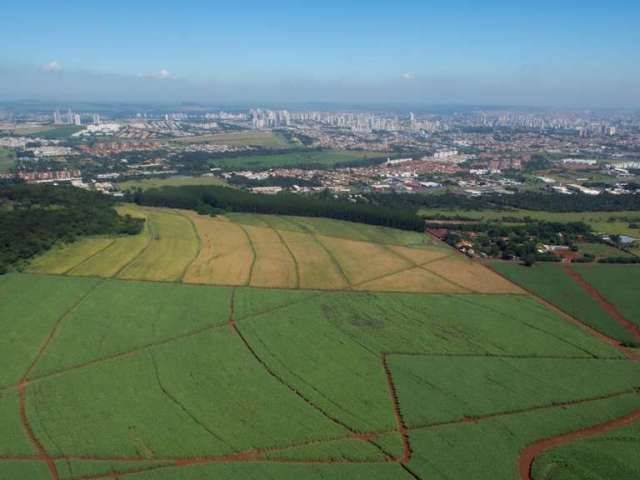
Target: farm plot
(226, 256)
(275, 265)
(488, 386)
(63, 258)
(612, 454)
(552, 284)
(172, 247)
(30, 306)
(119, 317)
(175, 383)
(488, 449)
(358, 328)
(618, 284)
(161, 380)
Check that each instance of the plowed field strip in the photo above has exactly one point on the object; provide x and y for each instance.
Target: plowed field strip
(293, 257)
(197, 235)
(84, 260)
(329, 253)
(253, 250)
(529, 454)
(608, 307)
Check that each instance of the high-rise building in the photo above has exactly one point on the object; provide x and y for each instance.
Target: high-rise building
(76, 119)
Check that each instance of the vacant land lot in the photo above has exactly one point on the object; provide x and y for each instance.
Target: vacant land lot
(258, 139)
(554, 285)
(108, 374)
(618, 284)
(7, 159)
(145, 184)
(298, 158)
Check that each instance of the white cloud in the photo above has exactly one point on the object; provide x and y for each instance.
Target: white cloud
(163, 73)
(53, 66)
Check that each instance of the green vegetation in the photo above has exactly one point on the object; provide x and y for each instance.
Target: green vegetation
(145, 184)
(300, 158)
(295, 380)
(57, 133)
(218, 199)
(7, 159)
(39, 216)
(618, 284)
(489, 449)
(612, 454)
(253, 138)
(551, 283)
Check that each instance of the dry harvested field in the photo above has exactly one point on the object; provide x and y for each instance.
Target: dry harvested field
(274, 252)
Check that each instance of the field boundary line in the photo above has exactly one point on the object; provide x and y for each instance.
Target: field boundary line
(180, 405)
(198, 237)
(56, 327)
(529, 454)
(85, 260)
(293, 257)
(253, 250)
(574, 320)
(608, 307)
(329, 253)
(522, 411)
(127, 353)
(395, 402)
(150, 230)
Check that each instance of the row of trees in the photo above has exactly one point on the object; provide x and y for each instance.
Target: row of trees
(535, 201)
(33, 218)
(214, 199)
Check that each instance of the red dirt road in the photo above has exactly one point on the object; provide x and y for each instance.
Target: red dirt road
(42, 454)
(529, 454)
(611, 310)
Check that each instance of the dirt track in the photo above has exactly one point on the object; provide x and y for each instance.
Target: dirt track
(611, 310)
(529, 454)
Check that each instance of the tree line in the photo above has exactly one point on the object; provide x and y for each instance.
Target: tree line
(33, 218)
(215, 199)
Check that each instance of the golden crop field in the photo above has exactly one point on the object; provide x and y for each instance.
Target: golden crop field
(273, 252)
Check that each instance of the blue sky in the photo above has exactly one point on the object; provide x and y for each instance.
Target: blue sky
(561, 52)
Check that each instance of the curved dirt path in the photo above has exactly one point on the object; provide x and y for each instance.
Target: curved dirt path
(528, 455)
(608, 307)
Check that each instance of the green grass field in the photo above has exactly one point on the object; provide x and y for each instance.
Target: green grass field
(298, 158)
(57, 133)
(258, 139)
(551, 283)
(618, 284)
(612, 454)
(154, 380)
(7, 159)
(145, 184)
(603, 222)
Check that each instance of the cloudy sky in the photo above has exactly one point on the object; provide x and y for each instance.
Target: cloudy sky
(563, 53)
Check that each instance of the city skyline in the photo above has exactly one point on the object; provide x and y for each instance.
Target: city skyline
(573, 54)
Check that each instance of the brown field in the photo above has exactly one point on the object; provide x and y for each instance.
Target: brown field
(274, 266)
(317, 269)
(225, 256)
(472, 275)
(362, 261)
(414, 280)
(262, 252)
(172, 247)
(420, 256)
